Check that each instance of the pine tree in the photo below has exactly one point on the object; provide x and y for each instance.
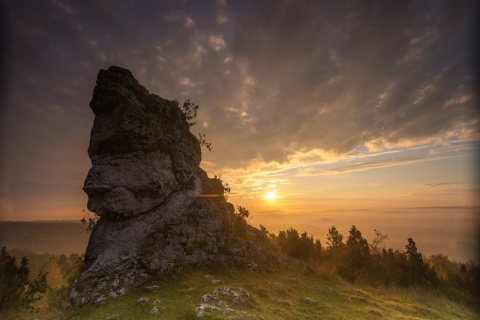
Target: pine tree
(334, 238)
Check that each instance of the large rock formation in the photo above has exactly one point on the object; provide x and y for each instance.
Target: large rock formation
(159, 211)
(141, 147)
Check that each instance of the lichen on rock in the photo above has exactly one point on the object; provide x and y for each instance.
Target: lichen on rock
(221, 299)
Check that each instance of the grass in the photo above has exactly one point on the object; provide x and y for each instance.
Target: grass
(277, 295)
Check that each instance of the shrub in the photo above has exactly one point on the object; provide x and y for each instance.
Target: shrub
(296, 245)
(16, 290)
(89, 220)
(240, 220)
(190, 110)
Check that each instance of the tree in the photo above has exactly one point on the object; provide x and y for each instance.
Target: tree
(317, 250)
(391, 268)
(282, 240)
(240, 219)
(264, 234)
(378, 243)
(334, 238)
(357, 256)
(243, 213)
(357, 245)
(379, 270)
(16, 290)
(415, 261)
(418, 271)
(296, 245)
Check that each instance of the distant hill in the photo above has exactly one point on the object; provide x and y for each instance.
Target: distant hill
(54, 237)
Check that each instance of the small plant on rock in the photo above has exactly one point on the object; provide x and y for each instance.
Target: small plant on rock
(190, 110)
(89, 220)
(203, 141)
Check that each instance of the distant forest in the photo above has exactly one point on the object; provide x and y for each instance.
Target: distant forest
(53, 237)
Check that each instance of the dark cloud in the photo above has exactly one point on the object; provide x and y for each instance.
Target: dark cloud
(356, 72)
(272, 77)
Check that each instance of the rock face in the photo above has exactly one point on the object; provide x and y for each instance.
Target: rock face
(159, 211)
(140, 146)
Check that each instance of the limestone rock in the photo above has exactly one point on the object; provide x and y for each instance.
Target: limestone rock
(221, 299)
(143, 300)
(141, 147)
(154, 310)
(159, 211)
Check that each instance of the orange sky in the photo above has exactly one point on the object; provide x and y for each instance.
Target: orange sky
(404, 200)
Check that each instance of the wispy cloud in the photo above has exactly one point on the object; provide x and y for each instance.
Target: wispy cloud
(362, 166)
(374, 164)
(439, 184)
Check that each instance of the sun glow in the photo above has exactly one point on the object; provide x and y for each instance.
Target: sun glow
(271, 195)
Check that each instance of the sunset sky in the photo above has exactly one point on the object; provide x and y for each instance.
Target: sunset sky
(319, 112)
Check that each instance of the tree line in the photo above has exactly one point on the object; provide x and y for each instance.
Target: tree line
(356, 260)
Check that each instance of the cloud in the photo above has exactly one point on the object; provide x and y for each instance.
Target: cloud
(217, 42)
(222, 3)
(367, 165)
(439, 184)
(282, 86)
(319, 163)
(341, 80)
(222, 18)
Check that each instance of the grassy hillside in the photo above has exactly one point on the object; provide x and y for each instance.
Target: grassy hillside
(291, 294)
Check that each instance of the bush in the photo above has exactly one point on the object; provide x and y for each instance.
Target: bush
(240, 220)
(190, 110)
(296, 245)
(16, 290)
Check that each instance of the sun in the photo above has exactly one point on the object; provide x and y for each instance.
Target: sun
(271, 195)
